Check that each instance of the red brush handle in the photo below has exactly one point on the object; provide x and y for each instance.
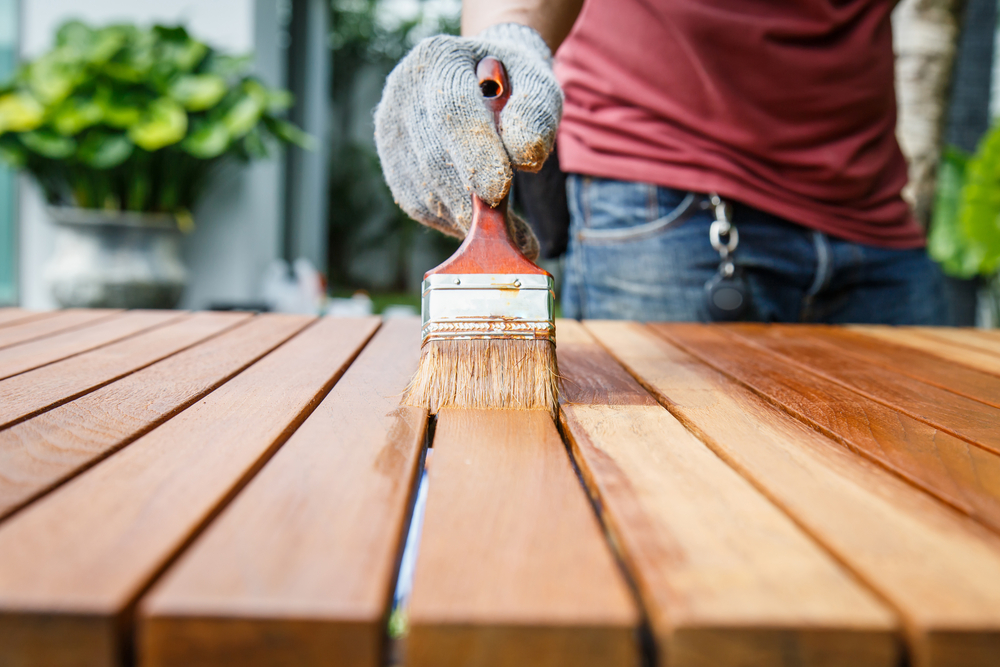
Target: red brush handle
(488, 248)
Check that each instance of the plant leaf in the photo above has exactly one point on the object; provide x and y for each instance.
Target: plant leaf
(208, 141)
(20, 112)
(164, 123)
(12, 151)
(53, 76)
(103, 150)
(289, 133)
(49, 144)
(197, 92)
(76, 114)
(979, 216)
(227, 66)
(243, 116)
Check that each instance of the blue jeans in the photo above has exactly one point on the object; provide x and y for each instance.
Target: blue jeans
(642, 252)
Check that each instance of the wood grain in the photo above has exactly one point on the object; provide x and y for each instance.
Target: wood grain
(970, 338)
(964, 476)
(938, 569)
(10, 316)
(300, 567)
(41, 452)
(981, 361)
(21, 331)
(957, 378)
(965, 418)
(34, 391)
(85, 552)
(513, 568)
(33, 354)
(725, 576)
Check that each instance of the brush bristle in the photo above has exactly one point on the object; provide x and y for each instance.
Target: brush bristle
(487, 374)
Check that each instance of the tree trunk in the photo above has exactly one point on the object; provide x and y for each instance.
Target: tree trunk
(924, 37)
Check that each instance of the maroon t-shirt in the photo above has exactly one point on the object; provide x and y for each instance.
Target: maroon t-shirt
(785, 105)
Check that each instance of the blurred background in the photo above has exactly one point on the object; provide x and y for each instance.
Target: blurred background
(292, 220)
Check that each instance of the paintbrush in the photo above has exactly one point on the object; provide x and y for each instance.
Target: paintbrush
(488, 335)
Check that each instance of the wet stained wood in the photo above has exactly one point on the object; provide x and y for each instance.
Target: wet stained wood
(37, 454)
(947, 411)
(963, 475)
(73, 563)
(33, 391)
(725, 576)
(300, 568)
(35, 353)
(938, 569)
(45, 324)
(513, 568)
(918, 365)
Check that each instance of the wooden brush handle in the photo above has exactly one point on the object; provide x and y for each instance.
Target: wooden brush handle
(488, 248)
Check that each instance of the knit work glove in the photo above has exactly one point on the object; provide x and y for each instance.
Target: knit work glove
(437, 141)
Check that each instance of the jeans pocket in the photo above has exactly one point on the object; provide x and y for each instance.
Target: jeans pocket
(621, 211)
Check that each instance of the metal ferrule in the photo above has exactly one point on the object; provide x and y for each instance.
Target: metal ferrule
(471, 306)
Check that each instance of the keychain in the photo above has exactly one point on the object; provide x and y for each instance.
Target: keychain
(726, 295)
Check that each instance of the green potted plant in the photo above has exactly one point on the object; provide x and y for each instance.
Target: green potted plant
(965, 232)
(122, 128)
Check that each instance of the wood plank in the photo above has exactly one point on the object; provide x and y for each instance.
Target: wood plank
(921, 366)
(724, 574)
(301, 566)
(73, 563)
(36, 353)
(949, 412)
(938, 569)
(966, 477)
(38, 454)
(969, 338)
(10, 316)
(34, 391)
(982, 361)
(51, 323)
(513, 568)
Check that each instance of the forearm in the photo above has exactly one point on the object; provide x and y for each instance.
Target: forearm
(553, 19)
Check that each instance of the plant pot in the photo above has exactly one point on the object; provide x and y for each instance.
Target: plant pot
(109, 259)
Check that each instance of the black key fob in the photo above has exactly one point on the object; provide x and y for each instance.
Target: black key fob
(727, 297)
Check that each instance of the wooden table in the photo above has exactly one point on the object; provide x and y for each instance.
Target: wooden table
(226, 489)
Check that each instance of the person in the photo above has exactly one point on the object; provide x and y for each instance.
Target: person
(771, 123)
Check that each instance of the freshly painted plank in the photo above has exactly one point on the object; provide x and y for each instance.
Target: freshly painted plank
(938, 569)
(39, 453)
(723, 573)
(981, 361)
(963, 475)
(942, 409)
(513, 568)
(73, 563)
(33, 354)
(922, 366)
(34, 391)
(33, 328)
(10, 316)
(300, 567)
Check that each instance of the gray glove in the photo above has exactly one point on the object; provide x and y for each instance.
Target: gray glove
(437, 141)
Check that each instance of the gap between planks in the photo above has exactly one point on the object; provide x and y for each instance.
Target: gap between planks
(938, 569)
(73, 564)
(38, 454)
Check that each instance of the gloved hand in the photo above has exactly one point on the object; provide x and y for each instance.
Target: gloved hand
(437, 141)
